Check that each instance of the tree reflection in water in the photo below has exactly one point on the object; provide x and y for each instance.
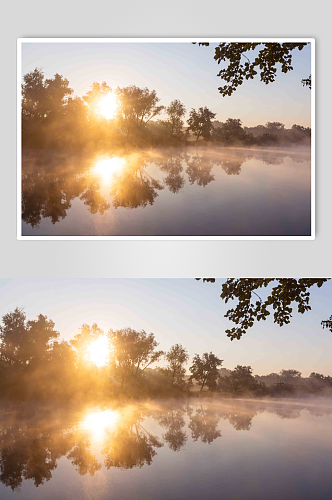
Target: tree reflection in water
(173, 420)
(134, 187)
(31, 445)
(50, 183)
(203, 424)
(199, 170)
(130, 444)
(172, 166)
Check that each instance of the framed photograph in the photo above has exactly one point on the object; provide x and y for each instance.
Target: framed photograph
(166, 138)
(161, 389)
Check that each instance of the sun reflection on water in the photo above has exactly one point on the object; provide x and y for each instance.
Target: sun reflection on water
(107, 167)
(98, 422)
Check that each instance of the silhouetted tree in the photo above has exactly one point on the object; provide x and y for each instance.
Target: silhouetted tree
(176, 358)
(306, 82)
(174, 123)
(132, 352)
(239, 381)
(265, 62)
(200, 123)
(25, 344)
(290, 376)
(33, 94)
(231, 132)
(136, 107)
(93, 97)
(83, 340)
(283, 293)
(204, 370)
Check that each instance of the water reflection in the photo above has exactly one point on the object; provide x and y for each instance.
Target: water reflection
(130, 444)
(106, 168)
(55, 186)
(203, 424)
(98, 422)
(199, 170)
(134, 187)
(32, 442)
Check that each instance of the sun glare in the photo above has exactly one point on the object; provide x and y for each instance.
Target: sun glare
(107, 106)
(107, 167)
(98, 422)
(98, 351)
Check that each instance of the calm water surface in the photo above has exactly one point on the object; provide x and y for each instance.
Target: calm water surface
(200, 449)
(169, 192)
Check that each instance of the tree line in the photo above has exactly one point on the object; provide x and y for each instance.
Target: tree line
(52, 117)
(36, 363)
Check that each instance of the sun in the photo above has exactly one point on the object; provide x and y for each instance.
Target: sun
(105, 168)
(98, 422)
(98, 351)
(107, 106)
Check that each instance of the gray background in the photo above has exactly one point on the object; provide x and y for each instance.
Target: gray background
(292, 18)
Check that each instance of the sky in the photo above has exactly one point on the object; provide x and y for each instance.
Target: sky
(182, 311)
(177, 71)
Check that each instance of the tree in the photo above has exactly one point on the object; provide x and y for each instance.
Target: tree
(136, 107)
(275, 126)
(306, 82)
(175, 112)
(176, 358)
(33, 91)
(83, 340)
(230, 132)
(239, 380)
(327, 323)
(283, 293)
(23, 343)
(132, 352)
(204, 370)
(200, 122)
(57, 91)
(265, 62)
(94, 95)
(290, 376)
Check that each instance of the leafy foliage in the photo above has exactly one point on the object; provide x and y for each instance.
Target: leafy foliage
(175, 112)
(136, 107)
(265, 63)
(284, 292)
(204, 370)
(200, 122)
(176, 358)
(132, 352)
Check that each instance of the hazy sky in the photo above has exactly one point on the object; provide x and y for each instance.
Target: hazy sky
(177, 71)
(178, 310)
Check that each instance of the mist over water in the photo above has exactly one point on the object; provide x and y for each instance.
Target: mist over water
(198, 448)
(167, 192)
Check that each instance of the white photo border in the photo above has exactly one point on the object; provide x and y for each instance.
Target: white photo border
(20, 41)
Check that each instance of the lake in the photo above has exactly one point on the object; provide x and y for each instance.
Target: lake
(175, 450)
(167, 192)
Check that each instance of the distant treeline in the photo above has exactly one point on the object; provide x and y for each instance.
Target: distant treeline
(36, 364)
(53, 118)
